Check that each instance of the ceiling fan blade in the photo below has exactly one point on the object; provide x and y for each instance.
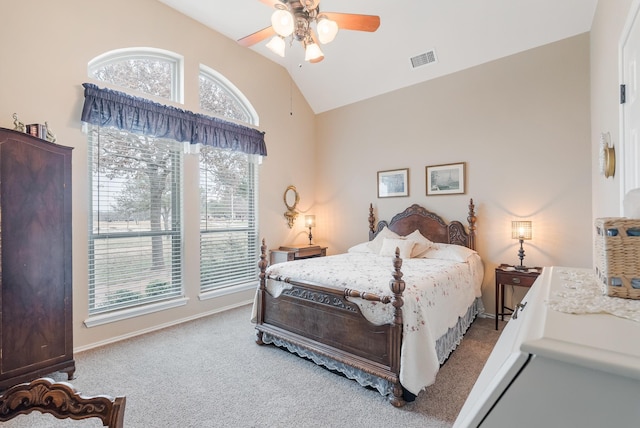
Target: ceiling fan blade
(352, 21)
(257, 37)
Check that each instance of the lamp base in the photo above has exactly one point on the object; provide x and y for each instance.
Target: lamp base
(521, 257)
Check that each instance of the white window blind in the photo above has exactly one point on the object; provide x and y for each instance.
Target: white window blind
(228, 223)
(135, 229)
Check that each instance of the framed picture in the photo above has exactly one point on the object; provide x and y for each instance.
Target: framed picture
(393, 183)
(446, 179)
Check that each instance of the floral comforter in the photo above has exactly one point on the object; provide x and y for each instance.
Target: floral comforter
(437, 293)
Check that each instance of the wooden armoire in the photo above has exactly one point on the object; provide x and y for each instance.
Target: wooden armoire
(36, 331)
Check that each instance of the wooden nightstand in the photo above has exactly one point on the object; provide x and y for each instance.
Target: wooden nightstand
(287, 254)
(508, 275)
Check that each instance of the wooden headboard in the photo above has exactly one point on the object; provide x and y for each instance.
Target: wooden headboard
(430, 225)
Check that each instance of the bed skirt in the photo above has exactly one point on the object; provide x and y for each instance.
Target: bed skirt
(445, 345)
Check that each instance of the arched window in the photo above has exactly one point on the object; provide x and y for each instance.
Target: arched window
(220, 97)
(229, 195)
(135, 229)
(136, 219)
(146, 70)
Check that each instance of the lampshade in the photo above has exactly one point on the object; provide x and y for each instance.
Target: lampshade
(282, 22)
(521, 230)
(312, 52)
(276, 45)
(327, 29)
(310, 220)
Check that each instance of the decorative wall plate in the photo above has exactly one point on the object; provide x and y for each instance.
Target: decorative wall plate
(607, 156)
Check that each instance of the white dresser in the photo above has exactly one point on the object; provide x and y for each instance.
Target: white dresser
(554, 369)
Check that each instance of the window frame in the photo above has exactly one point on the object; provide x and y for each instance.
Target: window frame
(242, 103)
(171, 299)
(177, 95)
(232, 91)
(117, 55)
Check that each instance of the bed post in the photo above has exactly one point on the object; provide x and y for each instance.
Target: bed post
(262, 265)
(372, 221)
(472, 226)
(397, 286)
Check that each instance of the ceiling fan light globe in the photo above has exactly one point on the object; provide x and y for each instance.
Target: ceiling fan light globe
(276, 45)
(327, 30)
(312, 52)
(282, 22)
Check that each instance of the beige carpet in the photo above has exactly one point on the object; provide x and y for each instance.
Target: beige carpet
(211, 373)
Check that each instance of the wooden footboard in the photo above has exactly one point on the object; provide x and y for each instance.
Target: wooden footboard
(324, 321)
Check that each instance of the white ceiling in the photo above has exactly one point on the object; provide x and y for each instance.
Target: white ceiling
(359, 65)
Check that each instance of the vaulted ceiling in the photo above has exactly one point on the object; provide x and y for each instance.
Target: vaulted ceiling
(359, 65)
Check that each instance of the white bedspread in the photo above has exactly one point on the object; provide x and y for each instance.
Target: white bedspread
(437, 293)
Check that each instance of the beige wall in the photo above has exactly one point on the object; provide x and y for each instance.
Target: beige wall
(520, 123)
(47, 46)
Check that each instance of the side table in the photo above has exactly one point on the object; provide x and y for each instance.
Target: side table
(509, 275)
(287, 254)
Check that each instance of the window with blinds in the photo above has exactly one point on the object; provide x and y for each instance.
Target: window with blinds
(135, 228)
(136, 219)
(228, 194)
(228, 223)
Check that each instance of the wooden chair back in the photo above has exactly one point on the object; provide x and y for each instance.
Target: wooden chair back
(62, 401)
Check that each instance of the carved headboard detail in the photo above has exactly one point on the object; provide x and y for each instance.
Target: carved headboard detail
(430, 225)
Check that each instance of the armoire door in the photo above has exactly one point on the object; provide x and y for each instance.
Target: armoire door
(36, 335)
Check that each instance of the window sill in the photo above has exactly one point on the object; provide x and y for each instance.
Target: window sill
(94, 321)
(212, 294)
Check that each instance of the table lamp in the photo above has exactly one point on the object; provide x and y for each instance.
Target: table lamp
(310, 221)
(521, 230)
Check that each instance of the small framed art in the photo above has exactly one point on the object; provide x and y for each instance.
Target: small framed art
(446, 179)
(393, 183)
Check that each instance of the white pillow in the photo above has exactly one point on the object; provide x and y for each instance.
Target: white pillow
(376, 243)
(360, 248)
(456, 253)
(389, 246)
(422, 243)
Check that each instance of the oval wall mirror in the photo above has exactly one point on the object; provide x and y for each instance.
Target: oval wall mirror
(291, 199)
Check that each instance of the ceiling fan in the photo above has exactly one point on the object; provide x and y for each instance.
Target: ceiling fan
(295, 18)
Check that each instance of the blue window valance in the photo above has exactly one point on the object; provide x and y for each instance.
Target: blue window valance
(106, 107)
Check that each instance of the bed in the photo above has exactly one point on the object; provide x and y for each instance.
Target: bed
(388, 312)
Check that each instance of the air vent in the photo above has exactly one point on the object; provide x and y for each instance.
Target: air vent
(428, 57)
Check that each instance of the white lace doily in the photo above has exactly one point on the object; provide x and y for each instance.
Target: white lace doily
(581, 294)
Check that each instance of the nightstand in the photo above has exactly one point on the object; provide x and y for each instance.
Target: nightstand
(508, 275)
(287, 254)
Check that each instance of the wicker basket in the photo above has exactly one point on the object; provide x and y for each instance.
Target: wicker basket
(618, 256)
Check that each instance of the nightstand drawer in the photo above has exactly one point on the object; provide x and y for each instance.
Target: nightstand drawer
(304, 253)
(516, 278)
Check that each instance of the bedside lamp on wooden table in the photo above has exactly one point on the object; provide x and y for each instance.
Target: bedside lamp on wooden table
(521, 276)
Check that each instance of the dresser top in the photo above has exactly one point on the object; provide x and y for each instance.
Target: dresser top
(597, 340)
